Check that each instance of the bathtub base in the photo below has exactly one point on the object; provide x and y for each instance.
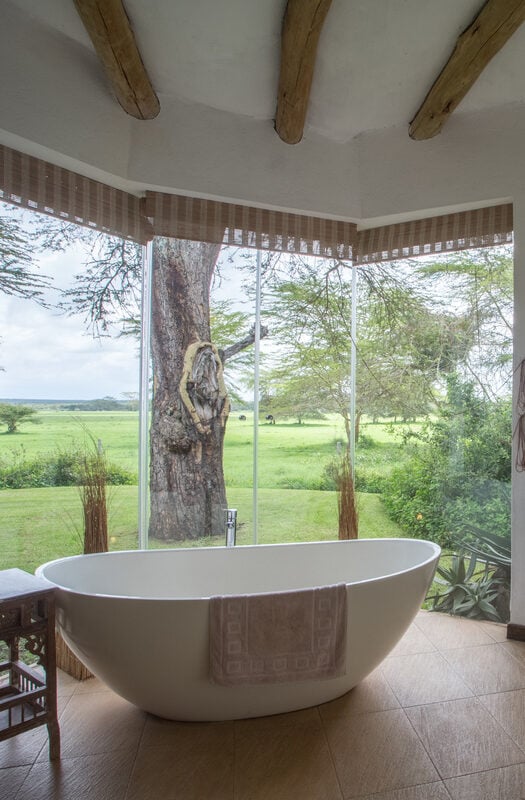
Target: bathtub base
(151, 647)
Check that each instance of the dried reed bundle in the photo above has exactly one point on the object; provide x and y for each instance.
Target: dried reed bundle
(346, 499)
(93, 496)
(68, 662)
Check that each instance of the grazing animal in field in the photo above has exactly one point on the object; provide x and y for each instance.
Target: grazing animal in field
(242, 416)
(270, 419)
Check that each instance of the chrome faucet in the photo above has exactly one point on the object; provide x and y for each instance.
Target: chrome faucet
(231, 526)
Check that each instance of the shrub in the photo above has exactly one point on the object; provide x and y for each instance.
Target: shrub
(458, 471)
(481, 587)
(61, 468)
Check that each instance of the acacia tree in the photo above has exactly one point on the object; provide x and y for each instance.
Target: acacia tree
(190, 406)
(15, 415)
(190, 401)
(481, 283)
(403, 344)
(18, 271)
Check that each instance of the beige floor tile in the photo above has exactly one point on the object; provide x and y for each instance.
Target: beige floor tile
(305, 716)
(414, 641)
(447, 632)
(11, 779)
(462, 737)
(101, 777)
(488, 668)
(91, 685)
(66, 685)
(189, 738)
(283, 763)
(372, 694)
(99, 722)
(195, 762)
(24, 748)
(497, 784)
(423, 678)
(426, 791)
(516, 649)
(497, 630)
(508, 708)
(377, 752)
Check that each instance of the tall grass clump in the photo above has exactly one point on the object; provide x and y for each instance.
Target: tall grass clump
(93, 480)
(346, 499)
(92, 486)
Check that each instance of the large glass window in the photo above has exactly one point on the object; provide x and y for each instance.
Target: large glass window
(371, 400)
(68, 397)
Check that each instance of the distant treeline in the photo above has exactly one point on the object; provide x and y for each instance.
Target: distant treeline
(100, 404)
(130, 403)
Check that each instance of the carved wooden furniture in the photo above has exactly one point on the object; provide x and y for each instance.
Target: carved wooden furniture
(28, 698)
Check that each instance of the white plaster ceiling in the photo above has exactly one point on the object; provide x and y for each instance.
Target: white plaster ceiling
(376, 58)
(215, 65)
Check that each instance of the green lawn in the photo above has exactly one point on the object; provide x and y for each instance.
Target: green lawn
(41, 524)
(63, 430)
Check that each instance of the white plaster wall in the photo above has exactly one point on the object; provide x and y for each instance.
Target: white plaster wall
(518, 478)
(199, 150)
(52, 92)
(477, 158)
(57, 98)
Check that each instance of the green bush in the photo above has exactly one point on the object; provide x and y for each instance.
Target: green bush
(57, 469)
(458, 470)
(366, 479)
(369, 480)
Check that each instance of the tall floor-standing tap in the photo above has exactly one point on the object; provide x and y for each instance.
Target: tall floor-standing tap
(231, 526)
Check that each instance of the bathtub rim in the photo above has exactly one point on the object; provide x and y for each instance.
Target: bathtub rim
(39, 572)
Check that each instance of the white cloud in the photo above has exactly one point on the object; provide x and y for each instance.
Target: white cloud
(51, 356)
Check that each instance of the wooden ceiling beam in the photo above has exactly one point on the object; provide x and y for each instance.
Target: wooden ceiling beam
(302, 24)
(110, 31)
(477, 45)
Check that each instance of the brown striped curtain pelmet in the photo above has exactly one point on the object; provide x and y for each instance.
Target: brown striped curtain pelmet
(481, 227)
(41, 186)
(245, 226)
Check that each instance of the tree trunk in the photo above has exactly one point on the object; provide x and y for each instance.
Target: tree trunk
(190, 404)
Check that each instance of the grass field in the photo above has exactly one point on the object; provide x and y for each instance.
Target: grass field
(41, 524)
(61, 430)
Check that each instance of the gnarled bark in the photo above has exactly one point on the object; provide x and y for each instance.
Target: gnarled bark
(190, 404)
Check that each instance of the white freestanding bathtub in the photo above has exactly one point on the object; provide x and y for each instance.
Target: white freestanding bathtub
(139, 619)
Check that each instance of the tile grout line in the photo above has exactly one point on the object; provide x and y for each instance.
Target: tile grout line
(442, 779)
(519, 661)
(135, 757)
(35, 761)
(465, 680)
(455, 671)
(23, 782)
(234, 759)
(332, 760)
(498, 723)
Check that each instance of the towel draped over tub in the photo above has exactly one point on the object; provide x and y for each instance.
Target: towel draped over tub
(272, 638)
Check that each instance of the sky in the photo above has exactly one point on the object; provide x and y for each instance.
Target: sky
(47, 355)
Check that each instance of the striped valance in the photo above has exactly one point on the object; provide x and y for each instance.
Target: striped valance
(482, 227)
(41, 186)
(246, 226)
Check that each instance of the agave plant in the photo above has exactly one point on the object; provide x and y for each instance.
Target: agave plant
(477, 582)
(489, 547)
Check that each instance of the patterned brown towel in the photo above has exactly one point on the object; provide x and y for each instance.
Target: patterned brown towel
(271, 638)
